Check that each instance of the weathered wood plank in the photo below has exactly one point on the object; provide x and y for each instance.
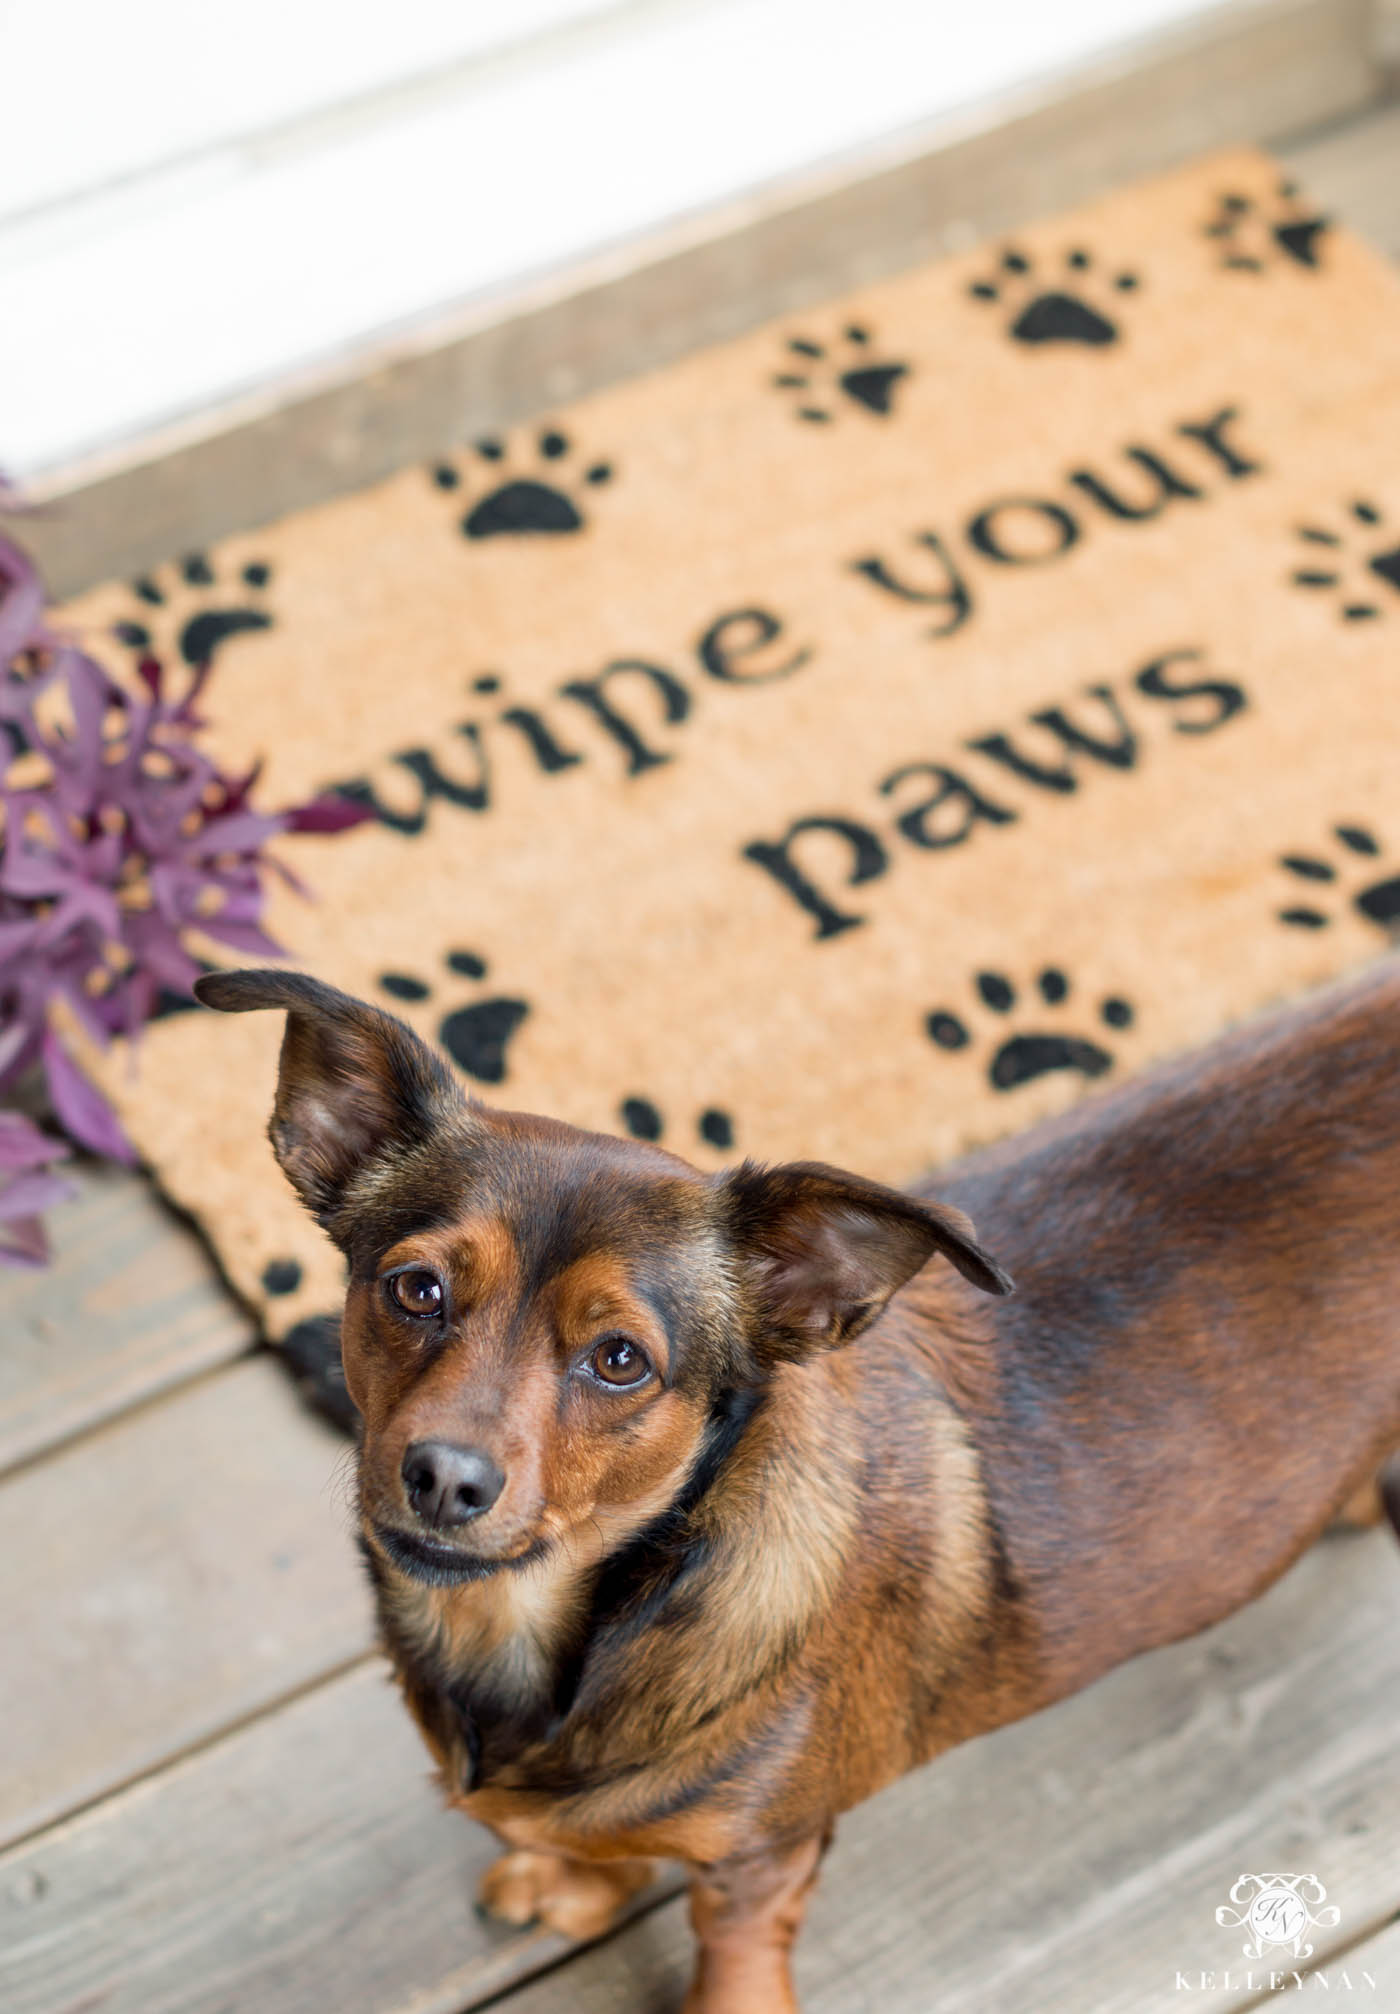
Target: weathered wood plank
(1374, 1958)
(1332, 1813)
(303, 1862)
(131, 1305)
(1076, 1861)
(163, 1578)
(1355, 170)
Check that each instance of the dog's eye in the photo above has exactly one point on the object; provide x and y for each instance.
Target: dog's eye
(618, 1362)
(417, 1292)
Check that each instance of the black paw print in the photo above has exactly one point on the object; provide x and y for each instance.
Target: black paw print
(220, 609)
(281, 1276)
(475, 1037)
(1022, 1058)
(517, 504)
(643, 1121)
(1050, 313)
(1252, 236)
(846, 370)
(311, 1352)
(1378, 901)
(1384, 564)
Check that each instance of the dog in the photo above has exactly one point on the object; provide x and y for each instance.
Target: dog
(698, 1507)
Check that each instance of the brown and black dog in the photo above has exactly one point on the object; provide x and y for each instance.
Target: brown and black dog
(666, 1569)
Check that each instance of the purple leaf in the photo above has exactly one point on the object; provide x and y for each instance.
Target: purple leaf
(331, 813)
(237, 833)
(30, 1195)
(80, 1106)
(17, 936)
(163, 957)
(25, 1191)
(85, 1007)
(21, 600)
(242, 937)
(13, 1040)
(22, 1145)
(24, 1244)
(80, 902)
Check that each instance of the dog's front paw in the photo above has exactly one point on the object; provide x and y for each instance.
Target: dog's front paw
(577, 1898)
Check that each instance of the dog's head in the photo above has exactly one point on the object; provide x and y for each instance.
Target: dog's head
(542, 1323)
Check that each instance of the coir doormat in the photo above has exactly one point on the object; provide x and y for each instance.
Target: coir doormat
(851, 742)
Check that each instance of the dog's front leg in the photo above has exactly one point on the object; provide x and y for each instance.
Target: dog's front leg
(746, 1911)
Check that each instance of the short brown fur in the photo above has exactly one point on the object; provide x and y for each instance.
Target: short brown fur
(707, 1614)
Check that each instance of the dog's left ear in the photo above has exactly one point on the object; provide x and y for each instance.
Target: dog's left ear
(354, 1084)
(823, 1251)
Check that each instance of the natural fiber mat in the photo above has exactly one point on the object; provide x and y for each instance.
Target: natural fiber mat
(848, 743)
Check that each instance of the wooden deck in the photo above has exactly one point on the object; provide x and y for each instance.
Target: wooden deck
(211, 1801)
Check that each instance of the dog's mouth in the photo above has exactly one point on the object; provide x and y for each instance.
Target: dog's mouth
(438, 1565)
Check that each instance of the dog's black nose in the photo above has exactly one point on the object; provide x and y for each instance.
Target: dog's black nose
(447, 1484)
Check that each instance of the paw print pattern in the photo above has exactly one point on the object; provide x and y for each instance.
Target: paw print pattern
(819, 376)
(1047, 311)
(515, 505)
(311, 1352)
(643, 1121)
(1252, 236)
(477, 1037)
(1356, 604)
(198, 625)
(281, 1276)
(1024, 1056)
(1378, 901)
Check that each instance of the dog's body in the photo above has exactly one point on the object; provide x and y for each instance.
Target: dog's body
(730, 1601)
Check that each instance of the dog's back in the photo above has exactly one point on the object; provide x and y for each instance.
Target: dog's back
(1202, 1358)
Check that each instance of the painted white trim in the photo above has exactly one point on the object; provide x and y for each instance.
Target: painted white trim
(196, 280)
(110, 92)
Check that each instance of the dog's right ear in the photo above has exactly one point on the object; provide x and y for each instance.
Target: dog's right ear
(354, 1085)
(822, 1252)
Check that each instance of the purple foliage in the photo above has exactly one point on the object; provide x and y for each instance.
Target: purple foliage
(27, 1189)
(118, 835)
